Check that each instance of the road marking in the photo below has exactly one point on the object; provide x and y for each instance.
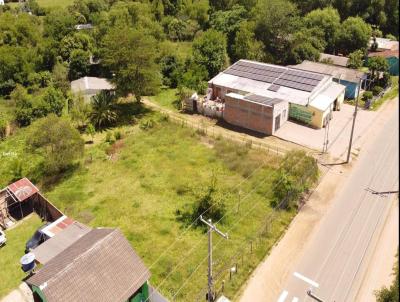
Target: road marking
(283, 296)
(295, 299)
(305, 279)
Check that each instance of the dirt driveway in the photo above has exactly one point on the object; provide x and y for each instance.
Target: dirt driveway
(339, 131)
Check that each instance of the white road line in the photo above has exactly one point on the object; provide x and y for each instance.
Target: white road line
(283, 296)
(295, 299)
(305, 279)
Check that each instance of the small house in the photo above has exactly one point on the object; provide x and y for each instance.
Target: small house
(389, 50)
(90, 86)
(100, 266)
(348, 77)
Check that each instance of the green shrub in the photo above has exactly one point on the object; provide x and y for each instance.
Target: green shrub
(377, 90)
(367, 96)
(147, 124)
(110, 138)
(117, 135)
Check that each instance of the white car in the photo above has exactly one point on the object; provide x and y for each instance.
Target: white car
(3, 238)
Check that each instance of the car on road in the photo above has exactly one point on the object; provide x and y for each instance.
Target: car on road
(3, 238)
(37, 239)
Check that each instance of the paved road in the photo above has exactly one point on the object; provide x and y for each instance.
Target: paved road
(336, 259)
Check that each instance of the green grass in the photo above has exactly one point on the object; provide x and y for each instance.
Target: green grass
(392, 93)
(166, 98)
(160, 171)
(6, 109)
(11, 274)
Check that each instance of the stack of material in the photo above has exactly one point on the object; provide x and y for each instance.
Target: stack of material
(189, 102)
(213, 109)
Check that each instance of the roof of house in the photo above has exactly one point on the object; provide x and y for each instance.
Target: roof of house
(385, 44)
(91, 83)
(343, 73)
(55, 245)
(258, 99)
(385, 54)
(100, 266)
(272, 81)
(22, 189)
(336, 60)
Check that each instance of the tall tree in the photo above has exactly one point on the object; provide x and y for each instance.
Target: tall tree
(209, 50)
(246, 46)
(353, 34)
(327, 19)
(130, 55)
(274, 26)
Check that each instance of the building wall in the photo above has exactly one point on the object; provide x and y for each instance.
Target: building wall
(38, 293)
(254, 116)
(141, 295)
(351, 88)
(393, 66)
(309, 115)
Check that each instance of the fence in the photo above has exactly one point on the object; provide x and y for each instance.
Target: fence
(245, 253)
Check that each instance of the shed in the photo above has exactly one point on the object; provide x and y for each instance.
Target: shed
(90, 86)
(100, 266)
(342, 75)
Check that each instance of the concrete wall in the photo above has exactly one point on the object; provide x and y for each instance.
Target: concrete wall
(351, 88)
(254, 116)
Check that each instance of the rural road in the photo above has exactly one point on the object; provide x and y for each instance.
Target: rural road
(336, 258)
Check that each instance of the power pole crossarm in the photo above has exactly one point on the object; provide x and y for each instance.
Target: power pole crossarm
(211, 228)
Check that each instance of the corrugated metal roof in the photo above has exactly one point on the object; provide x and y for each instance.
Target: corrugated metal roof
(336, 60)
(23, 189)
(337, 72)
(55, 245)
(324, 99)
(100, 266)
(91, 83)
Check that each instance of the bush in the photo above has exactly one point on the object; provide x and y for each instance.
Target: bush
(110, 138)
(147, 124)
(296, 175)
(377, 90)
(367, 96)
(117, 135)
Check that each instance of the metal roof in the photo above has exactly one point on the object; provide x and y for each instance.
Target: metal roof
(101, 266)
(336, 60)
(91, 83)
(342, 73)
(327, 97)
(23, 189)
(55, 245)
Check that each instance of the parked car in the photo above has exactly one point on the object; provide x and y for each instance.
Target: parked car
(37, 239)
(3, 238)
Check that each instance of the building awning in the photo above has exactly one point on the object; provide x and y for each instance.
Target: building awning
(22, 189)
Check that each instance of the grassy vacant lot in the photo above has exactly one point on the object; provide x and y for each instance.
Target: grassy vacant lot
(158, 172)
(167, 98)
(11, 274)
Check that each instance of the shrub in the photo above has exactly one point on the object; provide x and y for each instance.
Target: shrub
(109, 137)
(377, 90)
(117, 135)
(367, 96)
(147, 124)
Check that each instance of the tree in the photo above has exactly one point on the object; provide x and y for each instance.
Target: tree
(76, 41)
(377, 65)
(103, 110)
(328, 20)
(209, 50)
(80, 111)
(245, 45)
(60, 77)
(353, 34)
(274, 26)
(390, 294)
(79, 64)
(91, 131)
(130, 54)
(356, 59)
(58, 141)
(306, 44)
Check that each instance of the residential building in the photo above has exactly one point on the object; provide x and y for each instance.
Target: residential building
(90, 86)
(100, 266)
(311, 96)
(389, 50)
(342, 75)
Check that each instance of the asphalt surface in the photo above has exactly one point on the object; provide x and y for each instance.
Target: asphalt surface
(336, 258)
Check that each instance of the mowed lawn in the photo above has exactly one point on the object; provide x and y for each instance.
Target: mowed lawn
(160, 172)
(11, 274)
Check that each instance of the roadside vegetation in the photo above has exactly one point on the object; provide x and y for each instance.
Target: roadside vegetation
(390, 294)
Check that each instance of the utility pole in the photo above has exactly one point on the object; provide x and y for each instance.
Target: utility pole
(211, 228)
(354, 122)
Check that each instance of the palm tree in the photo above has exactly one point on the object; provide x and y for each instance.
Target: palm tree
(103, 110)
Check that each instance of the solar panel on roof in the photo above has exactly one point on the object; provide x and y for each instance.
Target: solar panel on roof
(274, 87)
